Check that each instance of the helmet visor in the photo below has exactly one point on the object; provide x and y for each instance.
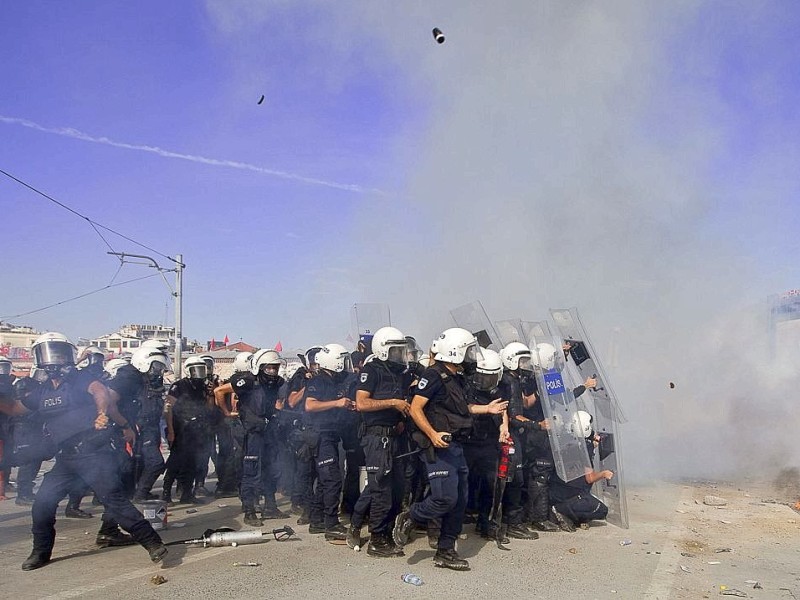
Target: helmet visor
(473, 353)
(525, 363)
(486, 381)
(197, 371)
(269, 369)
(157, 369)
(5, 368)
(54, 353)
(398, 354)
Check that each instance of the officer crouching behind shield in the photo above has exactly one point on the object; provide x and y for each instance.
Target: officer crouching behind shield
(442, 412)
(75, 408)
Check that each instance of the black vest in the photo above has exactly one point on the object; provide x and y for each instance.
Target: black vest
(69, 409)
(190, 411)
(390, 385)
(452, 413)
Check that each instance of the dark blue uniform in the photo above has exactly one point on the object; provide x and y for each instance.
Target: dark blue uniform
(447, 410)
(574, 499)
(326, 424)
(84, 454)
(257, 414)
(383, 494)
(142, 403)
(191, 426)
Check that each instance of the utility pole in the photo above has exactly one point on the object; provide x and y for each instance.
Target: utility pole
(178, 366)
(177, 294)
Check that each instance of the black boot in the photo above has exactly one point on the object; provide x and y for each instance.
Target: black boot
(113, 537)
(449, 559)
(156, 549)
(353, 537)
(273, 512)
(519, 532)
(304, 518)
(403, 525)
(36, 560)
(564, 523)
(380, 547)
(544, 526)
(251, 518)
(73, 512)
(335, 533)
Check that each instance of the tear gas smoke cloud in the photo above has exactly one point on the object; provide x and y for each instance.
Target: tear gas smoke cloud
(590, 154)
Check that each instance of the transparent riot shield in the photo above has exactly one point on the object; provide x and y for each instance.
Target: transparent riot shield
(603, 405)
(366, 319)
(558, 403)
(509, 331)
(473, 318)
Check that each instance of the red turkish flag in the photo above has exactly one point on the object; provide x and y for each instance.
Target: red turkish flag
(279, 346)
(225, 341)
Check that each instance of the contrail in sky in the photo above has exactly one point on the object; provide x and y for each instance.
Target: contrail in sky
(216, 162)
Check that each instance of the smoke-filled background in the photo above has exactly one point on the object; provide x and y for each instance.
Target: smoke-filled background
(636, 160)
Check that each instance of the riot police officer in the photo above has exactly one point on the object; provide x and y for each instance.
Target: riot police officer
(442, 412)
(230, 434)
(140, 389)
(257, 392)
(186, 410)
(76, 408)
(482, 448)
(380, 398)
(6, 388)
(325, 399)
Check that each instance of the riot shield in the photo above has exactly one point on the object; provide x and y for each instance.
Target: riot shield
(366, 319)
(509, 331)
(558, 403)
(472, 317)
(603, 405)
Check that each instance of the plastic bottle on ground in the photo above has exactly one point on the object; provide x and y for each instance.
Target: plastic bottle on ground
(412, 579)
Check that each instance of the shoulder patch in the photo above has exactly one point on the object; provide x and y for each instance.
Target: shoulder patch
(364, 377)
(240, 383)
(422, 384)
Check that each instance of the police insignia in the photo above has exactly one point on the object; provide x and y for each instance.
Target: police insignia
(364, 377)
(422, 383)
(240, 383)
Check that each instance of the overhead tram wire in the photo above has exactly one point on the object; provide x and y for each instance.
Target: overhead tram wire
(78, 297)
(94, 224)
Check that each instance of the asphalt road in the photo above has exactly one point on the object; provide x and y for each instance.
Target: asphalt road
(667, 519)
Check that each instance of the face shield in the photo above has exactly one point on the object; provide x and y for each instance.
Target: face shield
(5, 368)
(525, 363)
(413, 351)
(156, 370)
(197, 371)
(54, 353)
(486, 382)
(209, 366)
(398, 355)
(471, 357)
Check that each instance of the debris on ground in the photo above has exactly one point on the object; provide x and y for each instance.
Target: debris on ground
(191, 511)
(247, 564)
(573, 550)
(714, 501)
(732, 592)
(625, 543)
(685, 569)
(158, 579)
(720, 550)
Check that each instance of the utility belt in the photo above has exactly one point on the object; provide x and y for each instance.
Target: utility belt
(87, 442)
(380, 430)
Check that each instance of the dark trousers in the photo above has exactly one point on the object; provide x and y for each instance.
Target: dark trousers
(537, 478)
(26, 474)
(230, 437)
(583, 508)
(447, 477)
(182, 461)
(257, 470)
(98, 470)
(383, 494)
(353, 460)
(149, 461)
(325, 504)
(482, 458)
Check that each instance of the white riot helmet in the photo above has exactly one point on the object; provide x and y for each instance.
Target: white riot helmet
(389, 344)
(516, 355)
(151, 361)
(209, 360)
(91, 357)
(243, 362)
(310, 359)
(489, 370)
(5, 366)
(335, 358)
(126, 356)
(54, 353)
(582, 424)
(159, 344)
(544, 356)
(266, 364)
(195, 367)
(455, 346)
(114, 365)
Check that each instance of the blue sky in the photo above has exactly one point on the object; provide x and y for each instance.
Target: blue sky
(672, 130)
